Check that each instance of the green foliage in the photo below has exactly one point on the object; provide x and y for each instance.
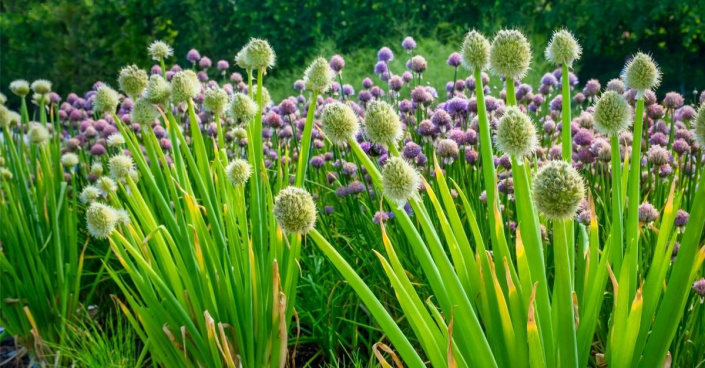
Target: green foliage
(75, 43)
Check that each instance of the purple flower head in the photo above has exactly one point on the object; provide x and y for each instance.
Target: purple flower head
(348, 90)
(557, 103)
(205, 62)
(98, 150)
(380, 68)
(405, 106)
(681, 218)
(441, 118)
(193, 56)
(685, 113)
(454, 60)
(655, 111)
(449, 87)
(222, 65)
(367, 83)
(202, 76)
(420, 95)
(299, 85)
(411, 150)
(381, 216)
(549, 79)
(356, 187)
(408, 43)
(458, 136)
(396, 83)
(328, 210)
(680, 146)
(407, 77)
(592, 88)
(364, 96)
(456, 105)
(236, 77)
(583, 137)
(492, 104)
(647, 213)
(471, 155)
(658, 138)
(156, 69)
(426, 128)
(385, 55)
(418, 64)
(376, 92)
(273, 119)
(337, 63)
(317, 162)
(699, 288)
(421, 159)
(459, 85)
(579, 98)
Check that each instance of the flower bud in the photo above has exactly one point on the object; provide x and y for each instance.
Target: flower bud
(642, 73)
(120, 166)
(294, 210)
(38, 134)
(318, 77)
(158, 90)
(184, 85)
(20, 87)
(238, 172)
(100, 220)
(143, 112)
(400, 180)
(510, 54)
(563, 48)
(339, 122)
(89, 194)
(558, 190)
(159, 50)
(106, 100)
(612, 114)
(259, 54)
(516, 134)
(41, 86)
(215, 100)
(382, 123)
(242, 108)
(69, 160)
(133, 80)
(475, 51)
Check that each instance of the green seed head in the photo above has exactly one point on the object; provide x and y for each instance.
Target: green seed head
(120, 166)
(5, 174)
(115, 140)
(184, 85)
(20, 87)
(106, 100)
(382, 123)
(159, 50)
(96, 169)
(259, 54)
(240, 59)
(38, 134)
(240, 133)
(158, 90)
(89, 194)
(242, 108)
(143, 112)
(106, 186)
(5, 117)
(400, 181)
(100, 220)
(642, 73)
(339, 122)
(563, 48)
(318, 77)
(558, 190)
(266, 99)
(699, 126)
(123, 217)
(612, 114)
(69, 160)
(215, 100)
(510, 54)
(516, 134)
(475, 51)
(294, 210)
(238, 171)
(133, 80)
(41, 86)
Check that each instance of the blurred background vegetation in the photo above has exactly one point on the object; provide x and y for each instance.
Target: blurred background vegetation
(77, 42)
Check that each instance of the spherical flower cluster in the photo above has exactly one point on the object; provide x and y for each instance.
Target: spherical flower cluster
(339, 122)
(616, 85)
(318, 77)
(558, 190)
(100, 220)
(516, 134)
(20, 87)
(184, 85)
(673, 100)
(106, 185)
(418, 64)
(69, 160)
(642, 73)
(294, 210)
(143, 112)
(563, 48)
(337, 63)
(382, 123)
(657, 155)
(400, 181)
(408, 43)
(106, 100)
(215, 100)
(475, 51)
(120, 166)
(159, 50)
(238, 171)
(647, 213)
(242, 108)
(385, 54)
(41, 86)
(158, 90)
(259, 54)
(133, 80)
(89, 194)
(699, 126)
(510, 54)
(612, 114)
(115, 140)
(38, 134)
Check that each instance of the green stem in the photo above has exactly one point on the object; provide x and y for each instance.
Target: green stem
(566, 139)
(563, 295)
(633, 193)
(306, 142)
(389, 326)
(617, 225)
